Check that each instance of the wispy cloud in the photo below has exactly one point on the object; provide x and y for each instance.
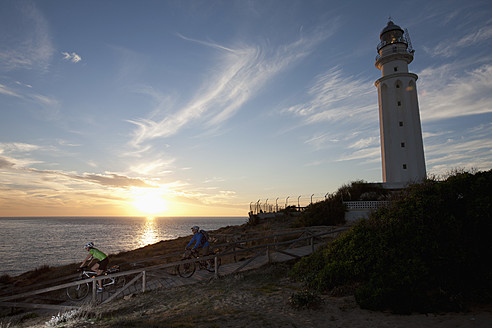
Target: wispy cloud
(17, 147)
(9, 92)
(370, 154)
(346, 107)
(241, 72)
(448, 48)
(73, 57)
(22, 167)
(23, 84)
(444, 93)
(334, 97)
(469, 148)
(320, 140)
(110, 179)
(365, 142)
(28, 46)
(155, 167)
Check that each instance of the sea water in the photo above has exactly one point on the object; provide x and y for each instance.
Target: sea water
(29, 243)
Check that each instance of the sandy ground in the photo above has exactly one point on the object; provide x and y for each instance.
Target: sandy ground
(254, 299)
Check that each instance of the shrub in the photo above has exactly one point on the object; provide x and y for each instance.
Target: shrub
(429, 251)
(305, 299)
(361, 190)
(328, 212)
(332, 210)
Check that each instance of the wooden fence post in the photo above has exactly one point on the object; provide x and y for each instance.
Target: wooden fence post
(144, 282)
(216, 262)
(94, 290)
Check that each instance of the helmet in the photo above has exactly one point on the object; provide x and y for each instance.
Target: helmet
(89, 245)
(195, 228)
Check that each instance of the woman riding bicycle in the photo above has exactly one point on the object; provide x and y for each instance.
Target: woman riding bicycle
(100, 265)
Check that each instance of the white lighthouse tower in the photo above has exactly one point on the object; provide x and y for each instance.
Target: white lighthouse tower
(402, 150)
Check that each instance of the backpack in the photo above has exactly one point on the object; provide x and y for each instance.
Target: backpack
(205, 237)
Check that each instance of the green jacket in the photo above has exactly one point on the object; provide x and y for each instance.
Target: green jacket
(97, 254)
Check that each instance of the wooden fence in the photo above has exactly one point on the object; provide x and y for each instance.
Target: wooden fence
(232, 249)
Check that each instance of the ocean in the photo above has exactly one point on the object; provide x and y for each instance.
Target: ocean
(31, 242)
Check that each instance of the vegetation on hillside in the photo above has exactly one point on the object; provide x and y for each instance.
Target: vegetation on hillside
(429, 251)
(332, 210)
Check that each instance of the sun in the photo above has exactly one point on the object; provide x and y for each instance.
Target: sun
(149, 201)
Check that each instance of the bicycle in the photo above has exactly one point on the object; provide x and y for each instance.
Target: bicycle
(186, 270)
(111, 284)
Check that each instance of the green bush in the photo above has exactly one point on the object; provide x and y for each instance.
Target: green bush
(362, 190)
(429, 251)
(305, 299)
(328, 212)
(332, 210)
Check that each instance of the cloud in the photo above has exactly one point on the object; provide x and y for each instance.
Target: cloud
(73, 57)
(16, 147)
(28, 46)
(9, 92)
(5, 163)
(19, 165)
(448, 48)
(342, 108)
(111, 180)
(469, 148)
(241, 72)
(108, 179)
(371, 154)
(155, 167)
(320, 140)
(445, 93)
(334, 97)
(365, 142)
(50, 105)
(23, 84)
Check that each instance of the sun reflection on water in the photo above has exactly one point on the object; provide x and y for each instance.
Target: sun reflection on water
(149, 233)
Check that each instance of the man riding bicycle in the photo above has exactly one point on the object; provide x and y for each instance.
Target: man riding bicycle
(100, 265)
(201, 243)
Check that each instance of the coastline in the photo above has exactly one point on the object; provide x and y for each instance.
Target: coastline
(253, 299)
(58, 241)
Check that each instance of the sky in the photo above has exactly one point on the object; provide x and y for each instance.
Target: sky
(201, 108)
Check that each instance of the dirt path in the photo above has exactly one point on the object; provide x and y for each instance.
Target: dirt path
(254, 299)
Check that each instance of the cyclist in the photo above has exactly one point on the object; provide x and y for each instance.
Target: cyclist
(100, 265)
(201, 243)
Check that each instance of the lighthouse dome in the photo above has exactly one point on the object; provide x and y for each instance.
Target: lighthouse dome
(390, 27)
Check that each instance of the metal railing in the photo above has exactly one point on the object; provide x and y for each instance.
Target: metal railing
(366, 204)
(279, 204)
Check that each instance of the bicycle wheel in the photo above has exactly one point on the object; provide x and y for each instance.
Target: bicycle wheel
(211, 267)
(78, 292)
(114, 285)
(186, 270)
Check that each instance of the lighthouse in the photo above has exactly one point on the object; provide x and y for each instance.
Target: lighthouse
(402, 150)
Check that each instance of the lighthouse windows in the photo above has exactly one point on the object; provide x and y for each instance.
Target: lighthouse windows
(404, 166)
(399, 103)
(396, 70)
(402, 145)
